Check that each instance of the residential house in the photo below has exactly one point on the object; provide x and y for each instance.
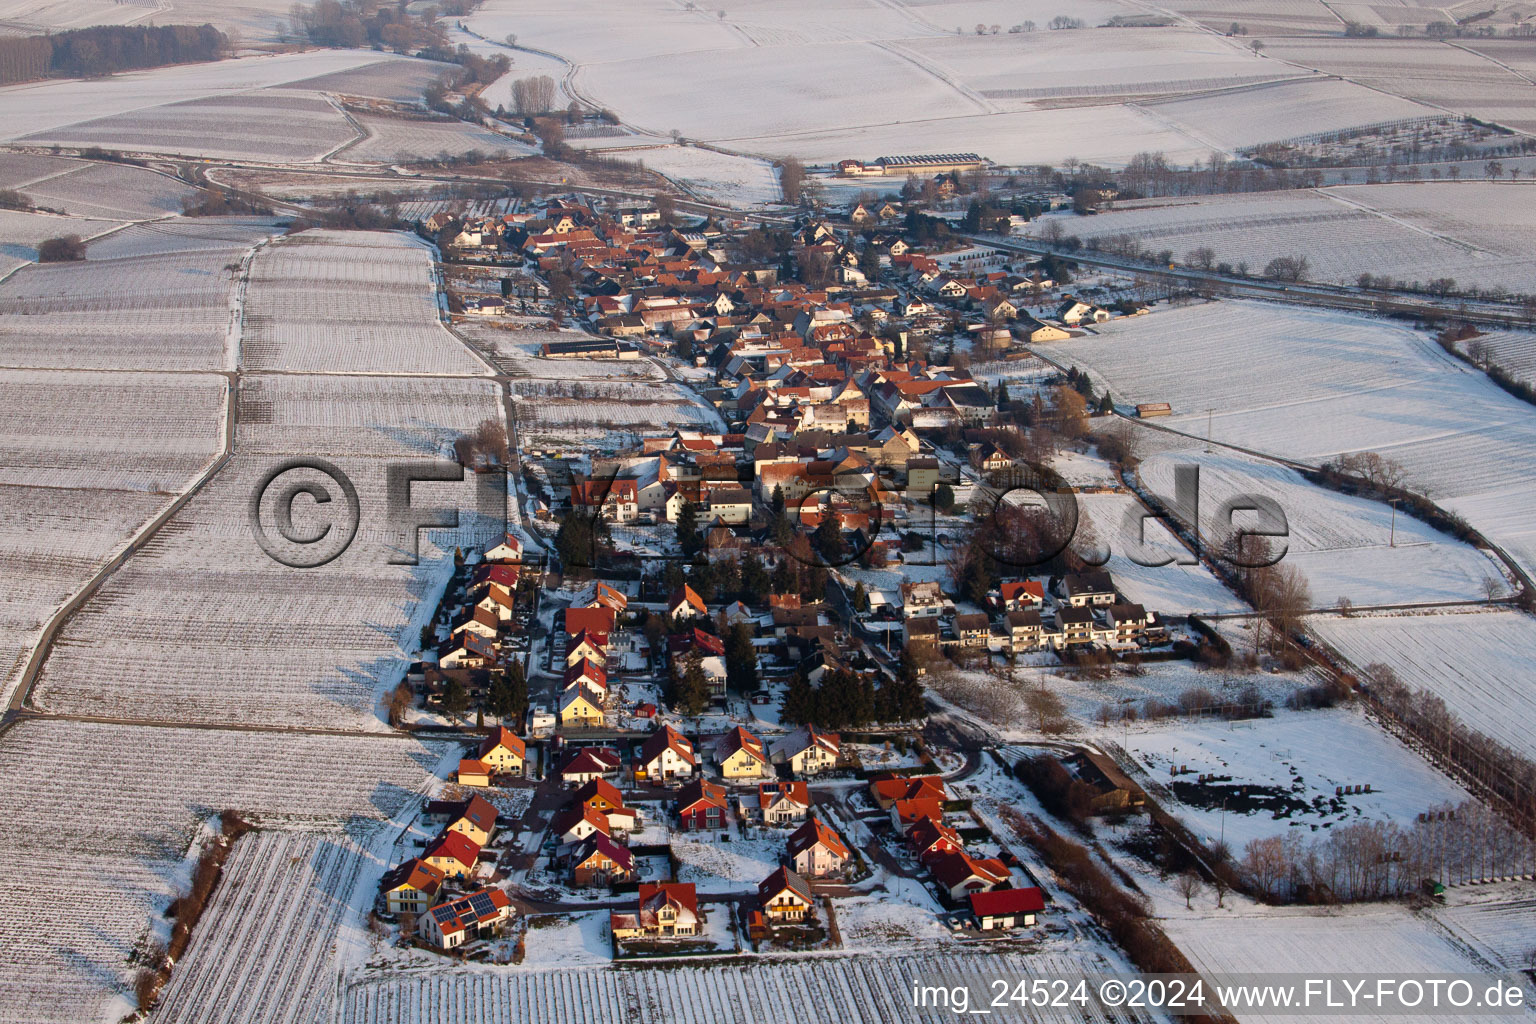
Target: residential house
(931, 839)
(784, 897)
(412, 888)
(616, 500)
(509, 550)
(1024, 630)
(960, 874)
(1088, 588)
(783, 803)
(575, 822)
(1021, 595)
(595, 621)
(909, 810)
(666, 754)
(972, 629)
(1033, 330)
(452, 853)
(808, 751)
(473, 773)
(588, 673)
(921, 599)
(701, 805)
(477, 820)
(1077, 625)
(504, 752)
(587, 645)
(588, 763)
(1073, 312)
(664, 910)
(450, 925)
(1129, 621)
(581, 707)
(740, 755)
(1006, 909)
(817, 850)
(598, 860)
(886, 789)
(685, 603)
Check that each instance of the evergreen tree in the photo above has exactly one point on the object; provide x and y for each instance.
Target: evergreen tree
(754, 579)
(778, 500)
(691, 689)
(740, 659)
(860, 597)
(1106, 404)
(828, 538)
(785, 578)
(688, 536)
(455, 700)
(799, 701)
(1002, 395)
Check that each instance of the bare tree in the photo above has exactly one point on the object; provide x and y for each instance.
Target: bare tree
(792, 179)
(1221, 886)
(533, 96)
(1189, 886)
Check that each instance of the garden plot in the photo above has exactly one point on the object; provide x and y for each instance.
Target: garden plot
(168, 311)
(1234, 119)
(569, 940)
(852, 990)
(348, 301)
(1111, 523)
(719, 177)
(203, 626)
(126, 840)
(392, 140)
(607, 414)
(113, 191)
(1343, 545)
(1340, 237)
(271, 126)
(1281, 773)
(46, 106)
(1477, 662)
(715, 866)
(1351, 383)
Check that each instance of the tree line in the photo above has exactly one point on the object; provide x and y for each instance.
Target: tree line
(105, 49)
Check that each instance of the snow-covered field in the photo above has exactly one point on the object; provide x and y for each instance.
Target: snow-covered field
(1310, 384)
(1230, 119)
(351, 302)
(1477, 662)
(399, 80)
(1280, 773)
(1112, 523)
(718, 177)
(517, 352)
(266, 125)
(1342, 545)
(182, 235)
(555, 411)
(203, 626)
(20, 232)
(398, 140)
(169, 311)
(1343, 231)
(853, 990)
(1513, 351)
(113, 191)
(116, 808)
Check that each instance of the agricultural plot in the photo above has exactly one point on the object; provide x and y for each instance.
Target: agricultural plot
(156, 238)
(1346, 547)
(128, 841)
(1513, 351)
(1269, 17)
(281, 902)
(1234, 119)
(1477, 662)
(718, 177)
(20, 232)
(266, 125)
(393, 140)
(396, 79)
(112, 191)
(1269, 775)
(1340, 236)
(349, 302)
(1367, 939)
(1495, 920)
(606, 414)
(516, 353)
(865, 990)
(604, 30)
(1491, 217)
(55, 104)
(202, 625)
(1111, 524)
(251, 21)
(1014, 71)
(170, 311)
(1351, 384)
(18, 169)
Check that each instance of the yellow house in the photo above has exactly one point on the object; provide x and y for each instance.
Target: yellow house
(473, 773)
(412, 888)
(477, 821)
(503, 752)
(584, 646)
(582, 708)
(740, 755)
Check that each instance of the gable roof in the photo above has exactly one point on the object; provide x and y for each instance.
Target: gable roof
(590, 760)
(504, 737)
(664, 739)
(598, 843)
(768, 793)
(593, 620)
(687, 595)
(999, 902)
(781, 880)
(476, 908)
(455, 845)
(700, 791)
(415, 873)
(600, 787)
(739, 739)
(480, 813)
(814, 831)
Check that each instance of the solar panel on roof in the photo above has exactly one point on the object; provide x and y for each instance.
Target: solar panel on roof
(481, 902)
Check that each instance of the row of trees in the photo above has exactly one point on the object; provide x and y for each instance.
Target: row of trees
(846, 699)
(533, 96)
(105, 49)
(1375, 860)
